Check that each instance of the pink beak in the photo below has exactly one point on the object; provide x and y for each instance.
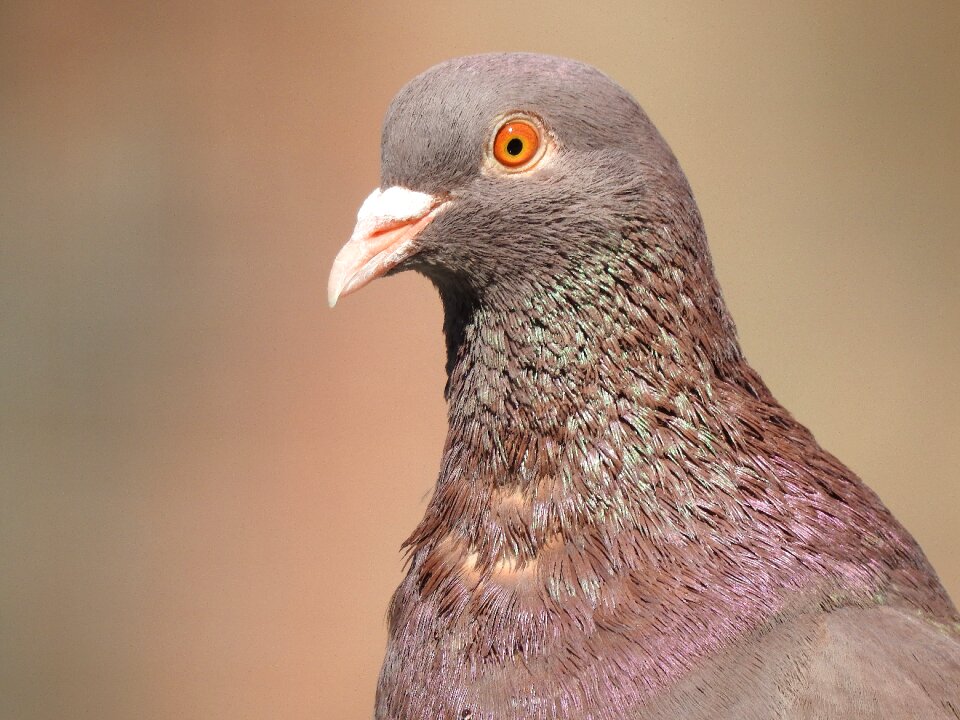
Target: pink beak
(387, 225)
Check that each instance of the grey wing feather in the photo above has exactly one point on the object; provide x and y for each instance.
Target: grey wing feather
(882, 663)
(846, 664)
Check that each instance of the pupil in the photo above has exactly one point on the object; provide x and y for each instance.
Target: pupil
(515, 146)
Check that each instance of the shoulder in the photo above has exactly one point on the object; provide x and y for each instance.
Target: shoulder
(874, 663)
(881, 662)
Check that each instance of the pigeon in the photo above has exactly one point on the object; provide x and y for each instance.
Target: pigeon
(626, 523)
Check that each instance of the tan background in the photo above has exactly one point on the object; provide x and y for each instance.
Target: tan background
(205, 475)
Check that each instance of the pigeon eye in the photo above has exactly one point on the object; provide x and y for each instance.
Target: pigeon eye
(516, 144)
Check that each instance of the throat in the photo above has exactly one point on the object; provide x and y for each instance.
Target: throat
(571, 424)
(584, 445)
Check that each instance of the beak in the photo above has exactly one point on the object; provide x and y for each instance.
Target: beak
(388, 223)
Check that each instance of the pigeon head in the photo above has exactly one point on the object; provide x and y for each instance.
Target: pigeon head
(505, 175)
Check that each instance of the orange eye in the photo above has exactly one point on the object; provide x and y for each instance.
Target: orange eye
(516, 143)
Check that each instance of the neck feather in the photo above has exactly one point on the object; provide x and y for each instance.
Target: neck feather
(616, 409)
(616, 500)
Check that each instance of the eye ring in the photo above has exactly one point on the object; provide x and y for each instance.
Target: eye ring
(518, 143)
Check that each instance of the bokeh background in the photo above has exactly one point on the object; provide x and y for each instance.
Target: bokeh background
(205, 474)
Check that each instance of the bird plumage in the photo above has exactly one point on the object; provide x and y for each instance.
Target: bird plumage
(626, 523)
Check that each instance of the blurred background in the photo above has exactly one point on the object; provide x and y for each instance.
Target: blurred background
(205, 474)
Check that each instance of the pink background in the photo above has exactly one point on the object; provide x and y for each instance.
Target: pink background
(205, 474)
